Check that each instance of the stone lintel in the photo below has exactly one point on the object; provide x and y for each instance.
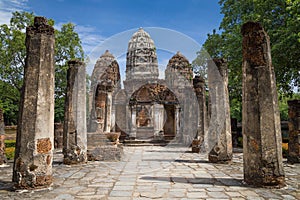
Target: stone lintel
(40, 26)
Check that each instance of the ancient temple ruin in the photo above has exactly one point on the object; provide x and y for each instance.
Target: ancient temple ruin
(105, 81)
(148, 108)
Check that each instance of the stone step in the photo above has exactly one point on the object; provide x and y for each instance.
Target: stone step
(137, 143)
(96, 139)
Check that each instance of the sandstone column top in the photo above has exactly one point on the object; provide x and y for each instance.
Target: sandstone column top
(251, 26)
(76, 62)
(40, 25)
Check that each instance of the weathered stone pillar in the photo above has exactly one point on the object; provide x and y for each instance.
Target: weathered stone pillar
(132, 132)
(108, 111)
(220, 118)
(294, 131)
(3, 159)
(75, 133)
(261, 122)
(113, 117)
(234, 132)
(34, 145)
(199, 87)
(58, 135)
(158, 111)
(177, 122)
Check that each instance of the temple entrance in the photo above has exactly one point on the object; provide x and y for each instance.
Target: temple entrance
(170, 125)
(153, 113)
(144, 121)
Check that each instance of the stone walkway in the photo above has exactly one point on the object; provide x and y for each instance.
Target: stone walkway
(153, 172)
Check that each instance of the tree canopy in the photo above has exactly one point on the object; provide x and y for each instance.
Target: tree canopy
(280, 19)
(12, 62)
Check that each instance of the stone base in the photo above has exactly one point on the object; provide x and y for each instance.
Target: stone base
(75, 155)
(106, 153)
(196, 146)
(218, 155)
(195, 149)
(293, 159)
(266, 182)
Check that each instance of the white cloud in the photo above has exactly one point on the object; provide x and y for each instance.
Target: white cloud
(9, 6)
(162, 65)
(89, 36)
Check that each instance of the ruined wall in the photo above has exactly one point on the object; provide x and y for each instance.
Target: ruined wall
(179, 78)
(105, 81)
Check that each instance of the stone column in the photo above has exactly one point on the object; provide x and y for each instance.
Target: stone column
(58, 135)
(75, 133)
(3, 159)
(220, 118)
(132, 132)
(113, 117)
(177, 122)
(294, 131)
(108, 111)
(234, 132)
(261, 122)
(158, 111)
(199, 87)
(34, 145)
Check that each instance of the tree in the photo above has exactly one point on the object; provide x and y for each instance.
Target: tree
(9, 99)
(67, 47)
(12, 61)
(280, 18)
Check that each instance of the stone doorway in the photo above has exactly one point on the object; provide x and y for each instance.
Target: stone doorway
(154, 113)
(170, 122)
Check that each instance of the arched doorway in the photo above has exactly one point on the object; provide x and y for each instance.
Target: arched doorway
(154, 113)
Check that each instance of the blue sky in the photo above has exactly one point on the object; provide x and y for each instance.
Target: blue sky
(99, 20)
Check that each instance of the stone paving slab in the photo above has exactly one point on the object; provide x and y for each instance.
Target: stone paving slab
(153, 172)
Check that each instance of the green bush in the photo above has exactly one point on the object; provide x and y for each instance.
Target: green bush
(10, 153)
(240, 142)
(10, 143)
(10, 149)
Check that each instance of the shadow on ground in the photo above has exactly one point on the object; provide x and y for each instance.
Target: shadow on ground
(6, 185)
(210, 181)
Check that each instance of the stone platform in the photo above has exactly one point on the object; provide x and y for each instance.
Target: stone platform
(153, 172)
(100, 148)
